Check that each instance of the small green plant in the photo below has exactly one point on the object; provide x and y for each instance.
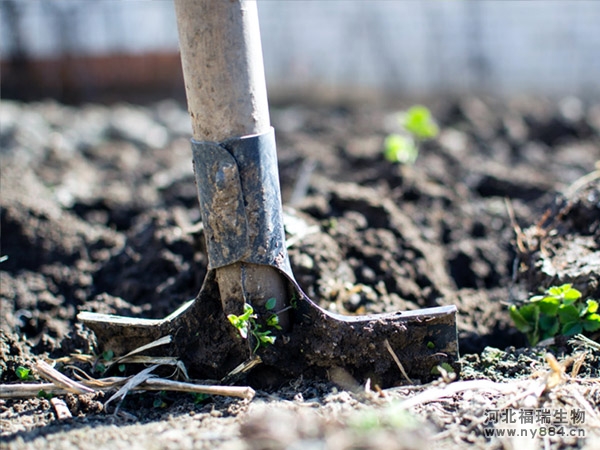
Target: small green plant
(418, 125)
(159, 401)
(23, 373)
(43, 394)
(200, 398)
(242, 322)
(400, 149)
(444, 366)
(246, 324)
(100, 368)
(559, 311)
(419, 122)
(105, 359)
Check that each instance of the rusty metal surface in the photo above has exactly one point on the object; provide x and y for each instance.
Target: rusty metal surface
(240, 201)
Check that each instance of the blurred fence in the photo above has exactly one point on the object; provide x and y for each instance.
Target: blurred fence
(81, 50)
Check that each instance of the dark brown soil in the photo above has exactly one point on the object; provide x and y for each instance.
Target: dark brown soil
(99, 213)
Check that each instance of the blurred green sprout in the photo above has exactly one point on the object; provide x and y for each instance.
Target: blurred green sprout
(417, 124)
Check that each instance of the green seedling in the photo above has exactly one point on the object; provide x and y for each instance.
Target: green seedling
(419, 122)
(23, 373)
(417, 125)
(400, 149)
(246, 325)
(159, 400)
(444, 366)
(43, 394)
(243, 322)
(200, 398)
(105, 358)
(559, 311)
(273, 319)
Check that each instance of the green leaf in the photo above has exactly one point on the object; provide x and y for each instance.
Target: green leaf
(592, 322)
(419, 121)
(200, 397)
(268, 340)
(23, 373)
(520, 322)
(107, 355)
(248, 312)
(264, 337)
(568, 313)
(243, 329)
(400, 149)
(234, 320)
(571, 294)
(273, 321)
(572, 328)
(240, 323)
(559, 290)
(159, 403)
(530, 312)
(549, 324)
(592, 306)
(43, 394)
(447, 367)
(270, 304)
(549, 305)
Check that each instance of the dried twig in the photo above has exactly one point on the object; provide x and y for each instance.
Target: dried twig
(61, 384)
(580, 339)
(30, 390)
(519, 235)
(157, 343)
(578, 364)
(245, 366)
(162, 384)
(131, 383)
(581, 182)
(396, 360)
(48, 372)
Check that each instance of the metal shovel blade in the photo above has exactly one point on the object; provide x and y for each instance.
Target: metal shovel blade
(316, 341)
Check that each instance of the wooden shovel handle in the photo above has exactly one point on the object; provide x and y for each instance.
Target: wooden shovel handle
(222, 68)
(227, 98)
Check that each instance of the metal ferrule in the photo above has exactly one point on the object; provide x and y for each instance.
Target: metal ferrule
(240, 201)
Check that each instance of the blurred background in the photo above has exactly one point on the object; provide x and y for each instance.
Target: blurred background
(322, 51)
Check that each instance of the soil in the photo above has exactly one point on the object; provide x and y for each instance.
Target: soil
(100, 213)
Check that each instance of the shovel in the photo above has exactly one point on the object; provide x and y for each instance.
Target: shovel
(250, 313)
